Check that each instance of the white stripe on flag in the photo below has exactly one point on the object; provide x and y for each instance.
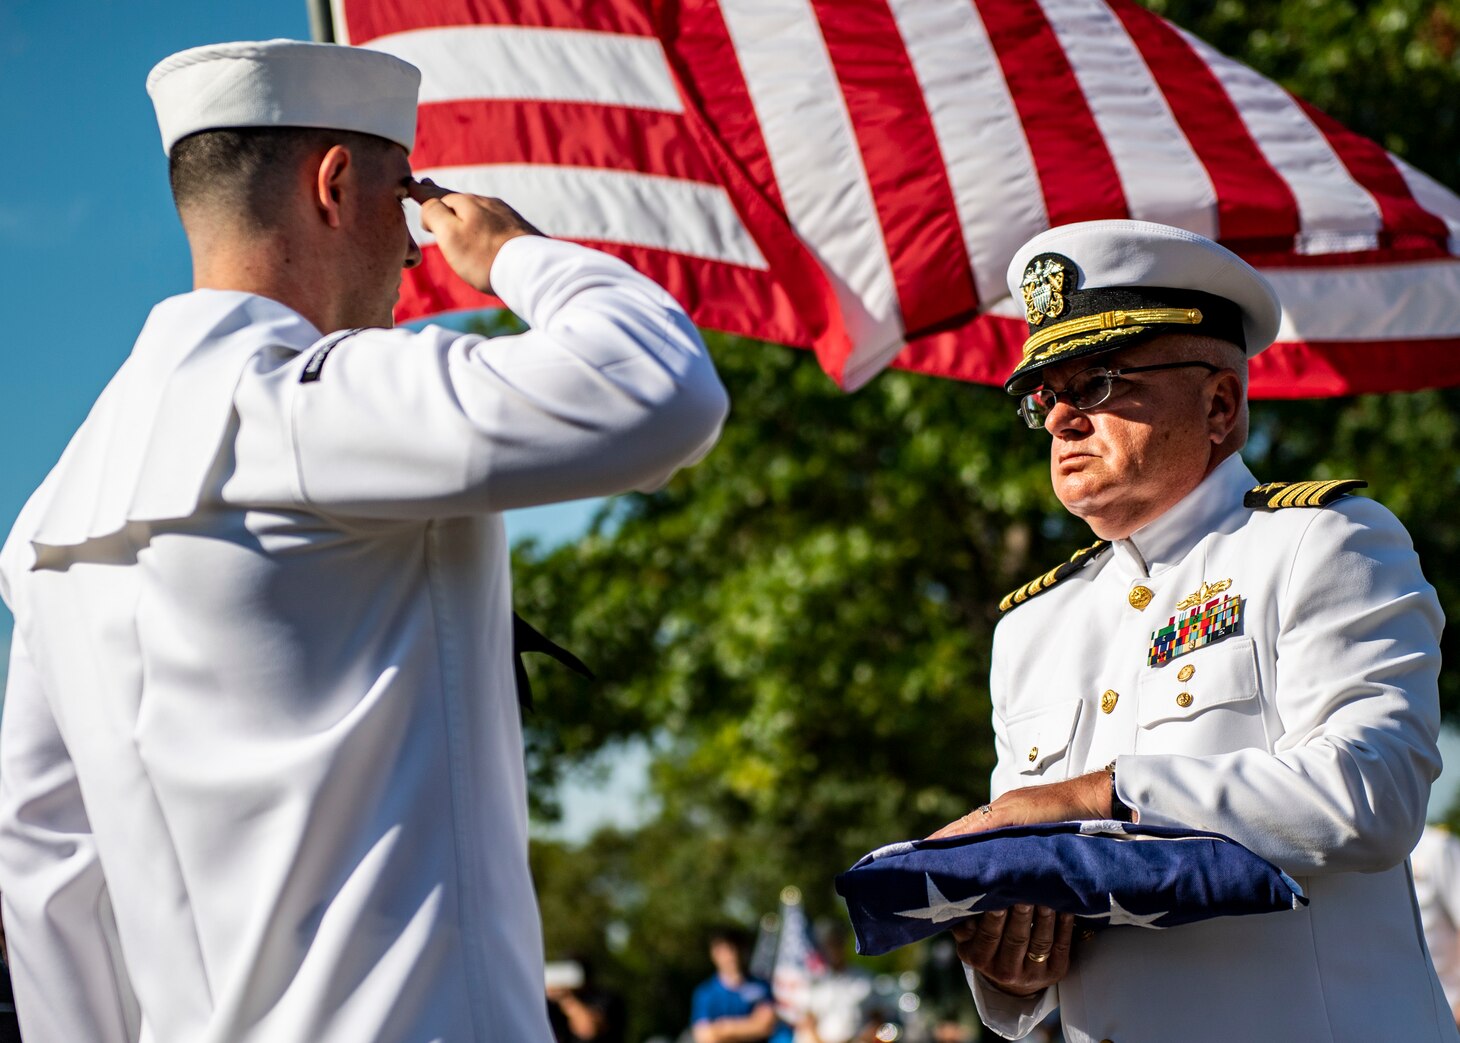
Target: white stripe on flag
(990, 168)
(505, 61)
(1402, 301)
(612, 206)
(1434, 197)
(1162, 177)
(1335, 213)
(818, 166)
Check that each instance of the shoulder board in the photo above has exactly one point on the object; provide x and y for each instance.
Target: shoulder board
(1034, 587)
(1276, 495)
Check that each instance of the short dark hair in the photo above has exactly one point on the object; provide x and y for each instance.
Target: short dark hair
(248, 169)
(732, 935)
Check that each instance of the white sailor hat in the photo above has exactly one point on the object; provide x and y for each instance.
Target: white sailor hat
(284, 83)
(1097, 286)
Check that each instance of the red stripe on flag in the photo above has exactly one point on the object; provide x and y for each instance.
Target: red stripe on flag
(714, 294)
(905, 170)
(367, 20)
(698, 45)
(573, 134)
(1316, 369)
(984, 351)
(1404, 219)
(722, 120)
(1076, 172)
(1253, 201)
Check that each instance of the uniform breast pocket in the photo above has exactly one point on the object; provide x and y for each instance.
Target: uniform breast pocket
(1041, 738)
(1204, 702)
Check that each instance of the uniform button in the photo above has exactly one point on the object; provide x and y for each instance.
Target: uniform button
(1108, 700)
(1033, 754)
(1140, 597)
(1184, 700)
(1184, 674)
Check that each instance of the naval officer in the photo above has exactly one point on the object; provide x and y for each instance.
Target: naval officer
(261, 774)
(1254, 660)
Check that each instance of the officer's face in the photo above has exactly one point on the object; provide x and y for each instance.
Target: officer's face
(1127, 461)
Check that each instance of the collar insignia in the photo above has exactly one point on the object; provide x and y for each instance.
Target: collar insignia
(1043, 286)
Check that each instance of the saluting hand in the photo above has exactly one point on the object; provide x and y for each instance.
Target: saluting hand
(469, 229)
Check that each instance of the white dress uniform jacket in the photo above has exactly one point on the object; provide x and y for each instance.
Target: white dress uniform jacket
(261, 775)
(1309, 735)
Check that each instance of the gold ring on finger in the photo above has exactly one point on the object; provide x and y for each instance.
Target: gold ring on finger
(1036, 957)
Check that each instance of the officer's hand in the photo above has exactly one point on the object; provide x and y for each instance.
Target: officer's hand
(1085, 797)
(469, 229)
(999, 945)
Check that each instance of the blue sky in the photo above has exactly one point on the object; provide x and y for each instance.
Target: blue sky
(89, 240)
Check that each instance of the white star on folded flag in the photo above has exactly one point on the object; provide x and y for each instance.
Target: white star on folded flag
(940, 909)
(1119, 914)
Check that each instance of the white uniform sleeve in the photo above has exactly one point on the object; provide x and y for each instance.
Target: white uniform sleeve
(610, 390)
(65, 963)
(1009, 1016)
(1356, 689)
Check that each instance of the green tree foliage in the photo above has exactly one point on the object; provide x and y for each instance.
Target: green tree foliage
(800, 625)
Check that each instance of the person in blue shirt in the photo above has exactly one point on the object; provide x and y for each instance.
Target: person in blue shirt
(733, 1007)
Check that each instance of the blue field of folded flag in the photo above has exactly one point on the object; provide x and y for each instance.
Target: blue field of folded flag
(1107, 873)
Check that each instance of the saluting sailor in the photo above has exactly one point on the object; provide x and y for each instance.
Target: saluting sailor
(261, 773)
(1254, 660)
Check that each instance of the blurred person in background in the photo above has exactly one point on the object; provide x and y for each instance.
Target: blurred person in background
(838, 1003)
(579, 1010)
(731, 1006)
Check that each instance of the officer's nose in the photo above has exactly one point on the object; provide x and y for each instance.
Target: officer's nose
(1065, 421)
(413, 252)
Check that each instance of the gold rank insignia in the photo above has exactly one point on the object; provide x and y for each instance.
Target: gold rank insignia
(1275, 496)
(1203, 594)
(1034, 587)
(1043, 286)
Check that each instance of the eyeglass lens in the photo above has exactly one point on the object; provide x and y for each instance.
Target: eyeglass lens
(1085, 390)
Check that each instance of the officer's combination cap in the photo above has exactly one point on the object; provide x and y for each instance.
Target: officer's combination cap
(284, 83)
(1097, 286)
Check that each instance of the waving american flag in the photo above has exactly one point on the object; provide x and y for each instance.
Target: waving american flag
(853, 175)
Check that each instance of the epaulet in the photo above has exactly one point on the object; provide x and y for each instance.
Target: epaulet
(1035, 587)
(1276, 495)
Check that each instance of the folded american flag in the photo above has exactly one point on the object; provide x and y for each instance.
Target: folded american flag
(1104, 872)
